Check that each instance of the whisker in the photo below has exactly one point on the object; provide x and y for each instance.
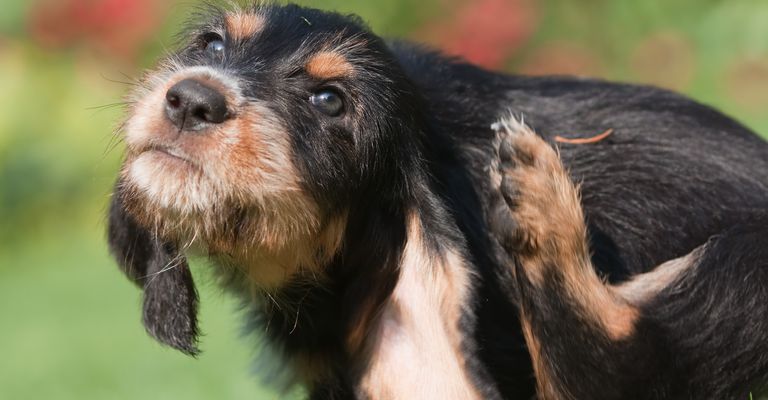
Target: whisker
(126, 76)
(298, 310)
(173, 263)
(112, 145)
(109, 106)
(269, 295)
(119, 81)
(114, 140)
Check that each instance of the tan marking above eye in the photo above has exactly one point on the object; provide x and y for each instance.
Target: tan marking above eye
(329, 65)
(242, 26)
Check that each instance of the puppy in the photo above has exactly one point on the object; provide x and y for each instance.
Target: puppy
(353, 193)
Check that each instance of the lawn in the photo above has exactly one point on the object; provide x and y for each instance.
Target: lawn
(72, 331)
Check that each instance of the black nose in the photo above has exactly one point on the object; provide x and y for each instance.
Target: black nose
(193, 106)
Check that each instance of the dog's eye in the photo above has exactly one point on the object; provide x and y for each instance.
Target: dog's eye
(328, 101)
(213, 44)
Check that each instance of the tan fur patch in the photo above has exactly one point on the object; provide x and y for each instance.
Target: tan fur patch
(551, 232)
(546, 387)
(415, 348)
(644, 287)
(329, 65)
(241, 26)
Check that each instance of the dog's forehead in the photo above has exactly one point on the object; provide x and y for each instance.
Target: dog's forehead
(281, 36)
(287, 26)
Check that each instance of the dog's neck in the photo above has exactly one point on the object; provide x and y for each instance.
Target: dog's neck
(395, 298)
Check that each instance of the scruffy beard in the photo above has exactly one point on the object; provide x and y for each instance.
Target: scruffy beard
(188, 211)
(271, 242)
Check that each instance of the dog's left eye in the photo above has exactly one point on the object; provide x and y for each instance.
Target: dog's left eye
(328, 102)
(213, 44)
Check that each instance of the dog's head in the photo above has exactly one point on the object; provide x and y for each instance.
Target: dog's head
(251, 144)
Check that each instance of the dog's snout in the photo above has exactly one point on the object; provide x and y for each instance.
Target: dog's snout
(192, 106)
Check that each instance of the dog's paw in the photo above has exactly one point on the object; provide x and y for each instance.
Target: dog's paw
(535, 208)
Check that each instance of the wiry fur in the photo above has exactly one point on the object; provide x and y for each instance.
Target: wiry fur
(399, 248)
(536, 217)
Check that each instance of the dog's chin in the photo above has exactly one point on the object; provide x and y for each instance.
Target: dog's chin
(170, 183)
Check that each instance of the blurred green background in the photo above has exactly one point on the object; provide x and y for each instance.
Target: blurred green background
(70, 323)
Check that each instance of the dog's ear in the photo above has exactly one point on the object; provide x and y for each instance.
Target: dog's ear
(170, 297)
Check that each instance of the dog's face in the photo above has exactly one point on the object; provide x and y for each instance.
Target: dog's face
(252, 144)
(257, 135)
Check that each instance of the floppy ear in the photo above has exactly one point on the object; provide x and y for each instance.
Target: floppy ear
(170, 297)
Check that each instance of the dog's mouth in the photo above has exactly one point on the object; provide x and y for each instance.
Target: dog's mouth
(170, 152)
(171, 156)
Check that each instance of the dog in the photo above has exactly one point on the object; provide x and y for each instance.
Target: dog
(407, 225)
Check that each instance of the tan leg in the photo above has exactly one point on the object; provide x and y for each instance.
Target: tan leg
(537, 217)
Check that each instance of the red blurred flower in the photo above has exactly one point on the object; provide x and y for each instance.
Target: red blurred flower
(116, 27)
(485, 32)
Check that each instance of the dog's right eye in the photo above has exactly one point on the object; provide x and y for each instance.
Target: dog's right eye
(328, 101)
(212, 43)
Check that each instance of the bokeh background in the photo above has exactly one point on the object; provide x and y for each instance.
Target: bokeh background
(70, 323)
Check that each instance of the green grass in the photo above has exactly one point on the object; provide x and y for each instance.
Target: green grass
(72, 331)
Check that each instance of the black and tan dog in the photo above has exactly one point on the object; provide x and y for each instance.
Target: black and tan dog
(399, 246)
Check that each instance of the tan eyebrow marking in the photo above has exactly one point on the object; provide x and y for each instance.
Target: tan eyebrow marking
(329, 65)
(242, 26)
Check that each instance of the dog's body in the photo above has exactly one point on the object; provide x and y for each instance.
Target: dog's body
(673, 174)
(409, 279)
